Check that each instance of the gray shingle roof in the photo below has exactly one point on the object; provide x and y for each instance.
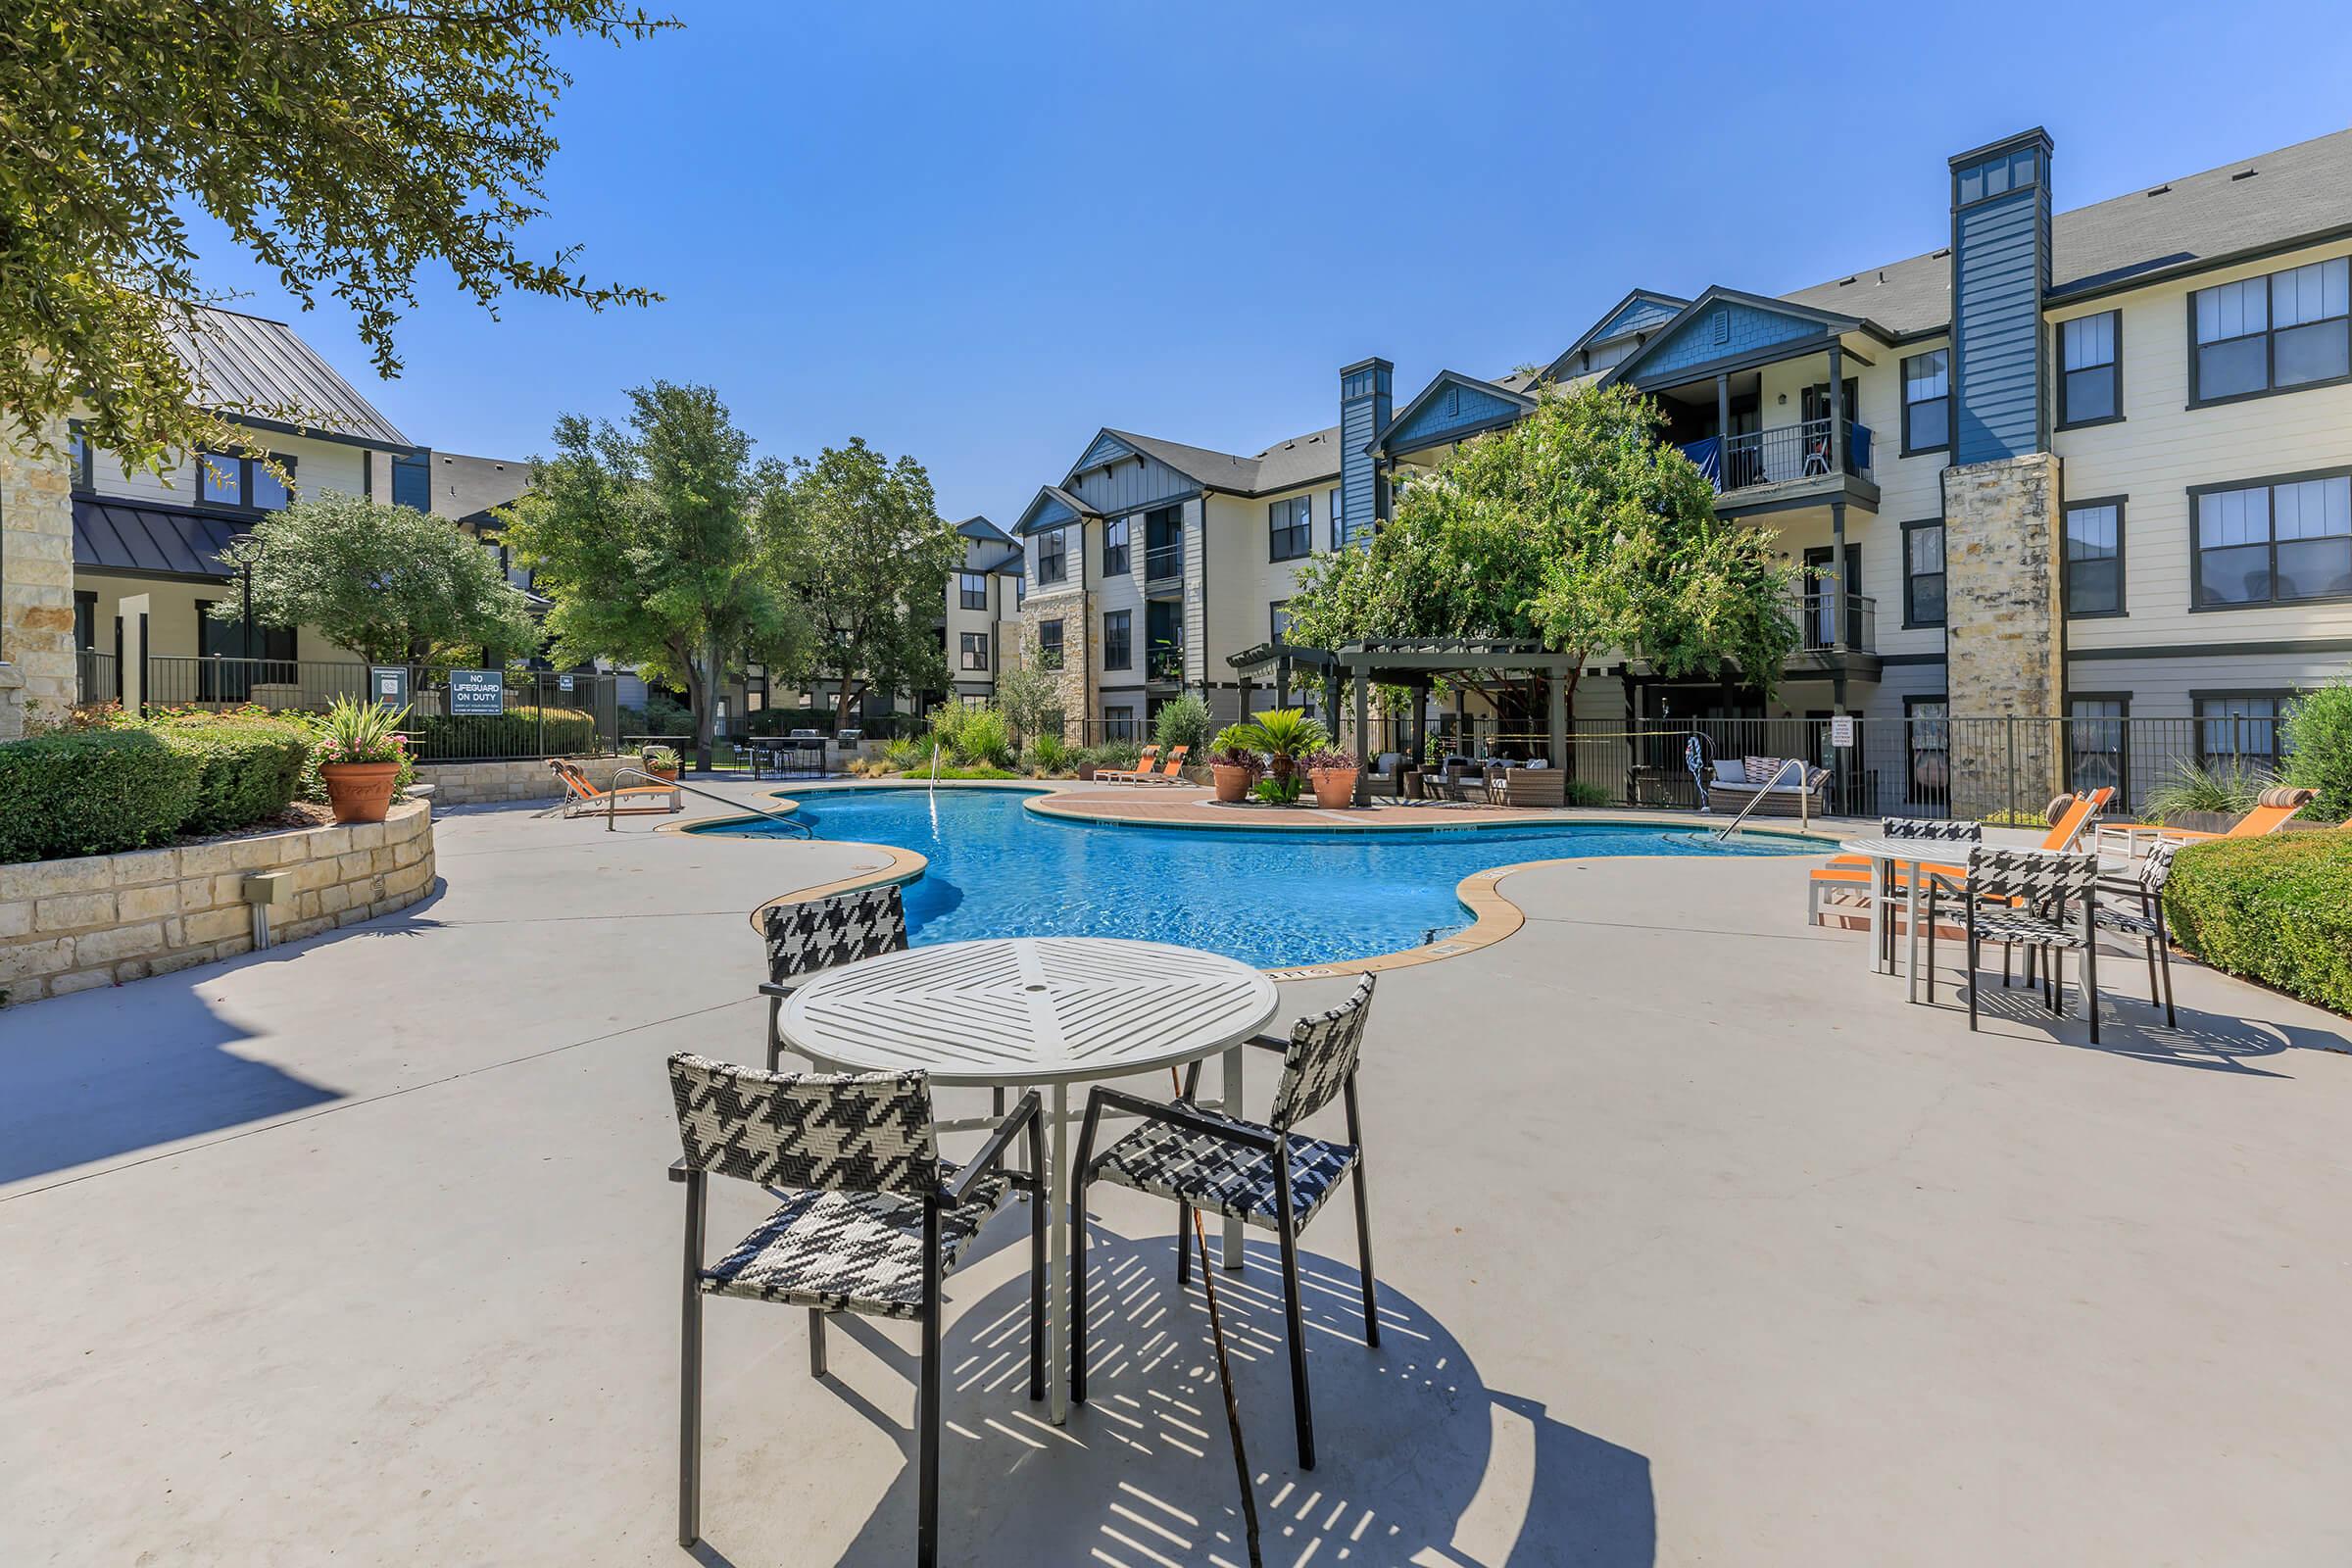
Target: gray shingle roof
(2294, 192)
(1302, 460)
(243, 365)
(465, 488)
(1220, 471)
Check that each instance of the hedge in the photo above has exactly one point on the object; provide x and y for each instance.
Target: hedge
(2276, 909)
(518, 732)
(248, 771)
(94, 792)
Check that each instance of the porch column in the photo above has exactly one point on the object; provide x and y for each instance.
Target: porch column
(1723, 431)
(1837, 407)
(134, 612)
(1842, 607)
(1557, 739)
(1282, 683)
(1364, 787)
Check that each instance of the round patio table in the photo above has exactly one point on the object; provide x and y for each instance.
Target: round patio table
(1012, 1013)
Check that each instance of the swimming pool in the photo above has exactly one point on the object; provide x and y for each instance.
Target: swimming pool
(1269, 899)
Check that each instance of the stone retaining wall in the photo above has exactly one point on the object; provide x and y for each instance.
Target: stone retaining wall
(100, 919)
(488, 783)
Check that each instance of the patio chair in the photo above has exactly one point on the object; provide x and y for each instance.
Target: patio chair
(2146, 921)
(820, 933)
(2273, 809)
(1266, 1175)
(1530, 785)
(583, 798)
(1170, 771)
(1128, 775)
(2070, 817)
(872, 1223)
(2041, 901)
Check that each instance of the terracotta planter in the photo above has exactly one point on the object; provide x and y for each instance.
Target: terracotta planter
(668, 775)
(360, 792)
(1232, 781)
(1334, 786)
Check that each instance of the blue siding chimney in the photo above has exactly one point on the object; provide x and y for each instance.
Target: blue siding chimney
(2000, 271)
(1367, 396)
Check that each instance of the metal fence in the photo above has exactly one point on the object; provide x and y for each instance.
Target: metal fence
(543, 713)
(1992, 769)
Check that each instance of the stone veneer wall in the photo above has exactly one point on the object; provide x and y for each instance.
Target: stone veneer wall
(1075, 610)
(36, 583)
(99, 919)
(488, 783)
(2003, 628)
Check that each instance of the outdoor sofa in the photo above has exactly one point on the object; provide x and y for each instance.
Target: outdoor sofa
(1740, 782)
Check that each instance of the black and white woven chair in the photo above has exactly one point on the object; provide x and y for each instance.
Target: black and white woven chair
(820, 933)
(874, 1221)
(2037, 898)
(1265, 1175)
(1942, 830)
(2136, 908)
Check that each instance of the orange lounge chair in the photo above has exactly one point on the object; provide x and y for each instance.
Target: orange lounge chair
(1171, 772)
(2273, 809)
(1128, 775)
(1854, 870)
(583, 798)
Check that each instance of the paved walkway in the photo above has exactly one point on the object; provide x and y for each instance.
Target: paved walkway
(1696, 1244)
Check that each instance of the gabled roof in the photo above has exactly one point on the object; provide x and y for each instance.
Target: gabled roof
(1507, 397)
(1302, 460)
(1829, 323)
(173, 541)
(979, 527)
(1643, 308)
(1051, 507)
(1216, 471)
(249, 369)
(1285, 465)
(466, 488)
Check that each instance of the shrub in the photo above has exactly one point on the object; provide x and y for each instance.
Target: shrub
(93, 792)
(2276, 909)
(1182, 722)
(1048, 752)
(907, 754)
(248, 771)
(1116, 754)
(983, 738)
(2318, 739)
(664, 715)
(518, 732)
(1583, 792)
(2222, 788)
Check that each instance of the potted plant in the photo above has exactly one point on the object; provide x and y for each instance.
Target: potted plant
(1284, 735)
(1334, 773)
(360, 752)
(663, 763)
(1231, 764)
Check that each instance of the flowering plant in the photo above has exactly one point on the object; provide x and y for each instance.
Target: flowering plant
(1331, 759)
(361, 732)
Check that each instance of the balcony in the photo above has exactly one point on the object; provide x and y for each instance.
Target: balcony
(1164, 562)
(1823, 644)
(1788, 462)
(1164, 662)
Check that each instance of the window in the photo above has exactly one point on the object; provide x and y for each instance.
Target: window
(1049, 644)
(1927, 749)
(1996, 177)
(1928, 401)
(268, 490)
(2241, 729)
(1922, 573)
(1118, 639)
(2094, 558)
(2089, 371)
(1338, 519)
(2273, 334)
(78, 453)
(1290, 526)
(1279, 613)
(1053, 558)
(971, 589)
(1114, 548)
(975, 651)
(1163, 543)
(412, 481)
(2273, 543)
(86, 619)
(1119, 724)
(220, 480)
(2098, 740)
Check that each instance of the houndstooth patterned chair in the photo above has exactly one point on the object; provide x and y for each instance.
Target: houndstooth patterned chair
(2038, 899)
(1266, 1175)
(1931, 827)
(2143, 916)
(819, 934)
(872, 1222)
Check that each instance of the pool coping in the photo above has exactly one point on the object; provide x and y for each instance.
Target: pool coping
(1494, 914)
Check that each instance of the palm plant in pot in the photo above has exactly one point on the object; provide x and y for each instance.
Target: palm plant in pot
(1231, 764)
(663, 761)
(360, 752)
(1284, 735)
(1334, 773)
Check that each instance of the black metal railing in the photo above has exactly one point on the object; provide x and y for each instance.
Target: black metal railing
(1784, 453)
(1164, 662)
(1817, 623)
(97, 676)
(1163, 562)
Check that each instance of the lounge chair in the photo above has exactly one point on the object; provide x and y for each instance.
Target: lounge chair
(1170, 772)
(2272, 810)
(583, 798)
(871, 1222)
(1128, 775)
(2069, 815)
(1771, 787)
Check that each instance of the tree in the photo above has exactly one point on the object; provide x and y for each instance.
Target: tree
(867, 553)
(344, 143)
(391, 583)
(1576, 527)
(1030, 699)
(650, 542)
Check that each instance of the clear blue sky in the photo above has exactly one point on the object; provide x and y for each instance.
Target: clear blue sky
(976, 233)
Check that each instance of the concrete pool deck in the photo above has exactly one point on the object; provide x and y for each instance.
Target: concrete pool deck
(1696, 1243)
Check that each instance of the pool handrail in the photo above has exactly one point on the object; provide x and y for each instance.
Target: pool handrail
(1804, 817)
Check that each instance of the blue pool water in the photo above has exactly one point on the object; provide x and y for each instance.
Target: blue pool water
(1270, 898)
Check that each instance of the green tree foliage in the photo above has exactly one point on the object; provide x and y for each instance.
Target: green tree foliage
(1576, 527)
(343, 143)
(864, 549)
(388, 582)
(2319, 742)
(651, 541)
(1031, 700)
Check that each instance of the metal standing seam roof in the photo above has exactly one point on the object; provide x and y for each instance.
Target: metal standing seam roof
(247, 366)
(122, 536)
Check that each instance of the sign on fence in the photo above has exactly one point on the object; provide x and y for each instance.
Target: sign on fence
(390, 683)
(564, 683)
(481, 693)
(1841, 729)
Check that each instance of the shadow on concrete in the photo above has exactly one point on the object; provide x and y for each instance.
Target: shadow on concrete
(1419, 1462)
(2132, 1026)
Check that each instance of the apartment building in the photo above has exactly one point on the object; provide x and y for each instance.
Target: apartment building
(984, 599)
(2094, 462)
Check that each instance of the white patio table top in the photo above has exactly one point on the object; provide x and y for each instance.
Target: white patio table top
(1010, 1013)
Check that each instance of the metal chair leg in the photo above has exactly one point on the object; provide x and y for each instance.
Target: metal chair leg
(1184, 1243)
(1077, 1267)
(775, 1034)
(2164, 958)
(927, 1529)
(2090, 986)
(1036, 1259)
(1302, 1413)
(1971, 973)
(817, 1342)
(1363, 1221)
(690, 1370)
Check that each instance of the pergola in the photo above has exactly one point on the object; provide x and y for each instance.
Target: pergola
(1411, 662)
